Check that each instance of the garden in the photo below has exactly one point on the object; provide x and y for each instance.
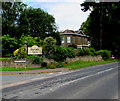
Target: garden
(59, 54)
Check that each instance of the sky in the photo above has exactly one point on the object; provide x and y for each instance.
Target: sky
(67, 13)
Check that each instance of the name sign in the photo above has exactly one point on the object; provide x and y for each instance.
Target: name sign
(34, 50)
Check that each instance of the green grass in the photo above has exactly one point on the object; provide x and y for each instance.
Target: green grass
(20, 69)
(72, 65)
(82, 64)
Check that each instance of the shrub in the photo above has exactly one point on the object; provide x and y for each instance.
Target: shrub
(16, 52)
(80, 52)
(70, 53)
(30, 40)
(49, 47)
(92, 52)
(43, 64)
(20, 53)
(8, 55)
(55, 65)
(52, 66)
(86, 51)
(60, 54)
(73, 46)
(104, 53)
(59, 64)
(37, 59)
(8, 45)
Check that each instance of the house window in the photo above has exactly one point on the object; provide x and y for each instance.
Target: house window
(63, 40)
(68, 39)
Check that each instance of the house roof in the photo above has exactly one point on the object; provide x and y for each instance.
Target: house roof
(71, 32)
(68, 31)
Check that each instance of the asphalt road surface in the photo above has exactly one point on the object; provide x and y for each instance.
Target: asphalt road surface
(96, 82)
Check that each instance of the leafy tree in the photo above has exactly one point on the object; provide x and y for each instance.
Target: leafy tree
(8, 45)
(41, 23)
(49, 47)
(10, 16)
(30, 41)
(103, 24)
(23, 23)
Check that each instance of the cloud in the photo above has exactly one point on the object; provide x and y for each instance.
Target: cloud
(68, 15)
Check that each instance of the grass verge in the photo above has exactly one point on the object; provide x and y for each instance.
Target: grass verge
(82, 64)
(72, 65)
(20, 69)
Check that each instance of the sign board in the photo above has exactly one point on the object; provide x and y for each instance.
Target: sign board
(34, 50)
(20, 61)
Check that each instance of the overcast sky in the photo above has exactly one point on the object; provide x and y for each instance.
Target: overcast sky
(67, 13)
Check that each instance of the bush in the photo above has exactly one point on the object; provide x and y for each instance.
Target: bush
(8, 55)
(60, 54)
(52, 66)
(80, 52)
(104, 53)
(49, 47)
(59, 64)
(37, 59)
(20, 53)
(30, 40)
(73, 46)
(8, 45)
(55, 65)
(70, 53)
(43, 64)
(92, 52)
(88, 51)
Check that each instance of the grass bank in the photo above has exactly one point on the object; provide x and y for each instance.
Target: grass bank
(72, 65)
(20, 69)
(82, 64)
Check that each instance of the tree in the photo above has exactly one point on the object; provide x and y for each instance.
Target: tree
(103, 24)
(41, 23)
(10, 16)
(8, 45)
(30, 41)
(38, 23)
(49, 47)
(23, 23)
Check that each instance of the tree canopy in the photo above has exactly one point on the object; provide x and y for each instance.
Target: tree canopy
(22, 20)
(21, 23)
(103, 24)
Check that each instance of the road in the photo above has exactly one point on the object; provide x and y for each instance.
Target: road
(96, 82)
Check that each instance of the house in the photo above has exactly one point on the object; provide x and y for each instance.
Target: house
(74, 38)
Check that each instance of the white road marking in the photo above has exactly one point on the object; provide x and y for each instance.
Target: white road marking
(105, 71)
(35, 79)
(86, 77)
